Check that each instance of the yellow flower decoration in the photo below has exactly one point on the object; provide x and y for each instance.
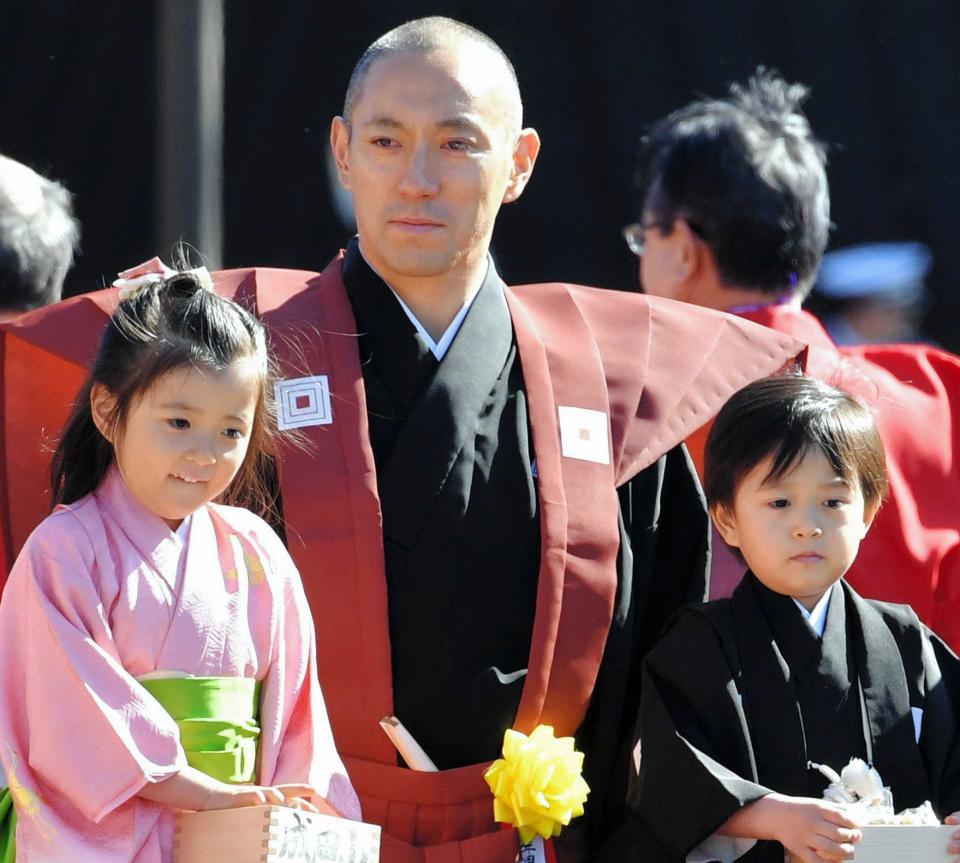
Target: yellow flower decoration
(537, 786)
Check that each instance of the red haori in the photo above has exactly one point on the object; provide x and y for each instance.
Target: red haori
(657, 369)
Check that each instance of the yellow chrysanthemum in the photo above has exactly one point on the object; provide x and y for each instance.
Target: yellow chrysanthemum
(537, 786)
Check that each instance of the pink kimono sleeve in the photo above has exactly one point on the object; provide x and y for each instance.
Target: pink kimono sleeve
(75, 727)
(297, 740)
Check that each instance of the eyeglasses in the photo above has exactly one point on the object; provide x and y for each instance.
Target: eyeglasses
(635, 235)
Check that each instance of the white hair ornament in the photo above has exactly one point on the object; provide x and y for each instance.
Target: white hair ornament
(132, 281)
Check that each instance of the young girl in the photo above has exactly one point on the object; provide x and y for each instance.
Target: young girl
(744, 695)
(156, 648)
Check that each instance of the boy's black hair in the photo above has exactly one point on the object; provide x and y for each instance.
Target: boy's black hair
(781, 418)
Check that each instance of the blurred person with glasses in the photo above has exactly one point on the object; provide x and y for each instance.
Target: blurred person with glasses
(735, 216)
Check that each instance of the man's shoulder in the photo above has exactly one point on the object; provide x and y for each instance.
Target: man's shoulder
(669, 366)
(593, 302)
(613, 314)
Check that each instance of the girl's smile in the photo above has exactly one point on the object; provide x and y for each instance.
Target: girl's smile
(185, 439)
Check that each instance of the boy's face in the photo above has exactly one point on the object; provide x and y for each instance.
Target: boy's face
(799, 533)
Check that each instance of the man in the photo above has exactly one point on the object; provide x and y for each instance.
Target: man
(38, 238)
(736, 215)
(494, 516)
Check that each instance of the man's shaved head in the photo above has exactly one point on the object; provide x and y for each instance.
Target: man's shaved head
(439, 34)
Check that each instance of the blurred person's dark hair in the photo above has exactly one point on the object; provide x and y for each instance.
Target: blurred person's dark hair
(38, 238)
(749, 177)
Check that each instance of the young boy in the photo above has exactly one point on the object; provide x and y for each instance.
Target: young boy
(743, 693)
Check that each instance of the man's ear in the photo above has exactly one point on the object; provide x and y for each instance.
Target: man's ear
(102, 405)
(726, 524)
(525, 153)
(692, 254)
(339, 146)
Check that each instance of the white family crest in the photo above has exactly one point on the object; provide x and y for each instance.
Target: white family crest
(303, 402)
(584, 434)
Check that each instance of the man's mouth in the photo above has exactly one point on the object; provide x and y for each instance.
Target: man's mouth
(415, 223)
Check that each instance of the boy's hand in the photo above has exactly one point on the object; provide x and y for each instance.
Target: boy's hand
(812, 830)
(953, 847)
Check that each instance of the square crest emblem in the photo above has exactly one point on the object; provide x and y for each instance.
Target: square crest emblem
(303, 402)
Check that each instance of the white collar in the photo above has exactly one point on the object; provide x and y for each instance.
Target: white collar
(183, 529)
(817, 616)
(437, 348)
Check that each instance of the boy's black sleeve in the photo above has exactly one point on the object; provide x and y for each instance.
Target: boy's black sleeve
(940, 729)
(694, 748)
(662, 566)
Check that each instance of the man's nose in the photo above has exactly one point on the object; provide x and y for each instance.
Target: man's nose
(419, 179)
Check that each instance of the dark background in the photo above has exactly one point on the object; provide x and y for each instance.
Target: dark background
(78, 102)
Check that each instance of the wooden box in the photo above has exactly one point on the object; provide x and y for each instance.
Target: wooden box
(904, 844)
(272, 834)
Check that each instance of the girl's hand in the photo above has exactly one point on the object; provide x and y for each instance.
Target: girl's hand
(192, 790)
(813, 830)
(224, 796)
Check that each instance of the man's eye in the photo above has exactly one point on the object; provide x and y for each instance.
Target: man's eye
(383, 142)
(459, 145)
(179, 423)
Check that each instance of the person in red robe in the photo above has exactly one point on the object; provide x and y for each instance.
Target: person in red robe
(493, 512)
(736, 216)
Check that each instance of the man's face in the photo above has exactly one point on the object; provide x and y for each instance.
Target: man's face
(664, 270)
(431, 152)
(658, 261)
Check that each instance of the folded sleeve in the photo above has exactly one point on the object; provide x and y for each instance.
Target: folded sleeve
(694, 749)
(76, 727)
(940, 724)
(298, 743)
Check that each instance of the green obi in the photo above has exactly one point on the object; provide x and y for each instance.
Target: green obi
(217, 718)
(8, 827)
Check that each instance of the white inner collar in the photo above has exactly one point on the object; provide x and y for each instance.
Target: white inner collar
(437, 348)
(817, 616)
(183, 529)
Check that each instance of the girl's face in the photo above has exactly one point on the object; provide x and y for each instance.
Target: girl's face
(799, 533)
(185, 438)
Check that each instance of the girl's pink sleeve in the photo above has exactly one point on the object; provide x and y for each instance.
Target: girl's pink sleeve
(305, 750)
(75, 727)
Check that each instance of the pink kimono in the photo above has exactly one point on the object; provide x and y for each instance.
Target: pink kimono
(104, 592)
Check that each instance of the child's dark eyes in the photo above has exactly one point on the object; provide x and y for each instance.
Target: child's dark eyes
(234, 434)
(179, 423)
(780, 503)
(835, 503)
